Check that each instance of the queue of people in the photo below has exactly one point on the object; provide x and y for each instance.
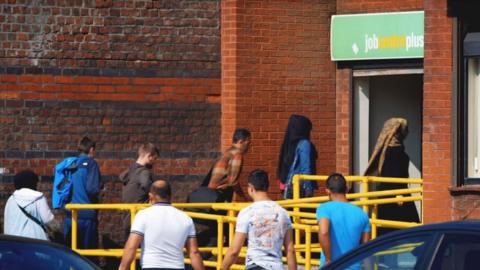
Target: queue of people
(265, 224)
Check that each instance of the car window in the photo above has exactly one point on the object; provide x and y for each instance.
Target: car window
(400, 254)
(24, 255)
(458, 251)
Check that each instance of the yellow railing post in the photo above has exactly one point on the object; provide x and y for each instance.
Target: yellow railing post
(365, 190)
(74, 228)
(421, 208)
(308, 249)
(373, 224)
(231, 227)
(219, 243)
(133, 265)
(296, 210)
(304, 222)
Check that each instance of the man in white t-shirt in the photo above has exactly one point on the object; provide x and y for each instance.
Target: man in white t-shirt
(163, 232)
(267, 226)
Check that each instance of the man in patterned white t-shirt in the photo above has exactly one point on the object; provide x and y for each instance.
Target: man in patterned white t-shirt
(267, 226)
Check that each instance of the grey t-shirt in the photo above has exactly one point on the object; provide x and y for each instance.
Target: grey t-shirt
(266, 224)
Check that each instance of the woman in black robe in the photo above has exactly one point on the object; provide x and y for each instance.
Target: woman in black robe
(389, 159)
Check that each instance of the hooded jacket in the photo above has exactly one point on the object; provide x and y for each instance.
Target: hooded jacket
(136, 183)
(17, 223)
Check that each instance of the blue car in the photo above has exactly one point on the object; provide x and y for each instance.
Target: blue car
(443, 246)
(19, 253)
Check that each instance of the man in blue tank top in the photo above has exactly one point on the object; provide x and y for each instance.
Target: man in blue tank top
(343, 226)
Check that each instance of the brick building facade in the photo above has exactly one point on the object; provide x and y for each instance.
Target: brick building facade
(122, 72)
(276, 61)
(185, 74)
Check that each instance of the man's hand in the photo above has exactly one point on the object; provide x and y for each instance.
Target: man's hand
(324, 238)
(234, 250)
(194, 254)
(399, 196)
(290, 249)
(129, 251)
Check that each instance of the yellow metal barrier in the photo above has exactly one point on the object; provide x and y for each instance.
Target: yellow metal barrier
(304, 223)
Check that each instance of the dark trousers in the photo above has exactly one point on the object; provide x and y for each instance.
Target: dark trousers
(87, 234)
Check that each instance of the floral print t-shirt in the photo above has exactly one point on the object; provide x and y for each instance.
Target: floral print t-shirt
(265, 223)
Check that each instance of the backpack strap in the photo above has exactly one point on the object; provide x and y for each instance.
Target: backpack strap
(207, 178)
(34, 219)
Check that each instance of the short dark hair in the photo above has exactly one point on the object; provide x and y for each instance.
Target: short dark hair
(337, 184)
(25, 179)
(259, 180)
(163, 191)
(149, 149)
(85, 144)
(240, 134)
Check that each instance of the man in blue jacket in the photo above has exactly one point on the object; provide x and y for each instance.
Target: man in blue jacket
(85, 190)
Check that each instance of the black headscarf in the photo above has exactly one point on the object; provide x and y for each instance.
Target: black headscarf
(298, 128)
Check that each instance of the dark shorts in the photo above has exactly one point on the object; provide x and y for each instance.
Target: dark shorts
(255, 267)
(161, 269)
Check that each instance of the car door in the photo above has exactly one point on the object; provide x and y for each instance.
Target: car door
(459, 251)
(403, 252)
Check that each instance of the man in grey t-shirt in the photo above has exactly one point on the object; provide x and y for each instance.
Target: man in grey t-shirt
(267, 226)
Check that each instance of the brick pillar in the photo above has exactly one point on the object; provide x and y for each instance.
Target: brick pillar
(276, 62)
(229, 21)
(437, 112)
(343, 115)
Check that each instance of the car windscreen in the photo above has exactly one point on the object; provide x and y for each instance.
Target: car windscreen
(397, 254)
(24, 255)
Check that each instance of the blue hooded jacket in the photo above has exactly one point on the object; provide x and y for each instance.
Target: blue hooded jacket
(61, 186)
(86, 185)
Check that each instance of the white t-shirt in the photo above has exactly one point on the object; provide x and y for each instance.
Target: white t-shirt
(165, 230)
(266, 224)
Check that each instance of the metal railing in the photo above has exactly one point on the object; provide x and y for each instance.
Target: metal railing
(304, 222)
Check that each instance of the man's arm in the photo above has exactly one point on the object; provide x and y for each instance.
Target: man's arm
(129, 251)
(145, 179)
(93, 181)
(290, 249)
(234, 250)
(194, 254)
(324, 238)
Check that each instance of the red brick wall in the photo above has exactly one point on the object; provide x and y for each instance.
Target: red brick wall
(343, 121)
(465, 202)
(168, 37)
(275, 62)
(122, 72)
(369, 6)
(114, 88)
(43, 116)
(437, 112)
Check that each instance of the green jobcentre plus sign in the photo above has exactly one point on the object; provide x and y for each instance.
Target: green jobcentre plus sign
(377, 36)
